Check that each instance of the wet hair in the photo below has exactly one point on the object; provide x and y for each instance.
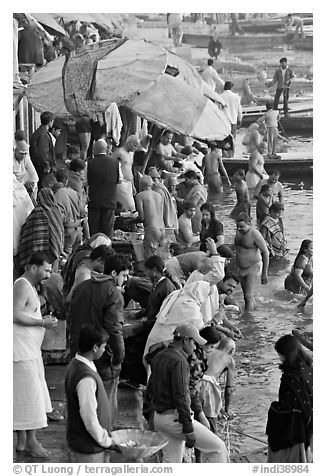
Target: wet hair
(155, 262)
(243, 216)
(283, 60)
(240, 172)
(261, 146)
(275, 207)
(305, 245)
(76, 165)
(89, 336)
(20, 135)
(290, 348)
(101, 252)
(62, 175)
(265, 187)
(226, 344)
(117, 263)
(46, 118)
(188, 204)
(210, 334)
(210, 62)
(228, 85)
(210, 208)
(275, 172)
(269, 105)
(57, 124)
(38, 259)
(166, 132)
(190, 174)
(289, 15)
(229, 275)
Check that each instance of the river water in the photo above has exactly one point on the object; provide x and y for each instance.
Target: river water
(276, 314)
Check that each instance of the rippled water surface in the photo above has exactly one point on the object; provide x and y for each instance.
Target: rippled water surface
(257, 373)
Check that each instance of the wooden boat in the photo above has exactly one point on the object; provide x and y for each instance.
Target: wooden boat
(290, 165)
(267, 25)
(298, 123)
(240, 42)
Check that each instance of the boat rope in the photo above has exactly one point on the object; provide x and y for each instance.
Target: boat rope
(244, 434)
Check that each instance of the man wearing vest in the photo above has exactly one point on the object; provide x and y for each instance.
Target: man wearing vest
(282, 77)
(88, 407)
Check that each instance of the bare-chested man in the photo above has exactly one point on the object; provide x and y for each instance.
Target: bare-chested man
(125, 189)
(150, 212)
(242, 193)
(212, 165)
(31, 400)
(251, 250)
(219, 361)
(276, 186)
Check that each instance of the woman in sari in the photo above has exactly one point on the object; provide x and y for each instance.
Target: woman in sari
(299, 280)
(290, 425)
(43, 230)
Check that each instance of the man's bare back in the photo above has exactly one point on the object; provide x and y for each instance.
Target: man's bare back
(211, 163)
(220, 362)
(150, 208)
(126, 160)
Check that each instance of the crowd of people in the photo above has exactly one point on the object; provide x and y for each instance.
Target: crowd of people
(185, 292)
(66, 209)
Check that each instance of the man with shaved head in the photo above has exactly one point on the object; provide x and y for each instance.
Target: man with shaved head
(150, 212)
(102, 178)
(126, 189)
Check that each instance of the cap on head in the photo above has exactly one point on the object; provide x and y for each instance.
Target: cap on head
(188, 330)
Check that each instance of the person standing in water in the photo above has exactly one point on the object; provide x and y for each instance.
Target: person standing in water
(242, 193)
(252, 258)
(212, 165)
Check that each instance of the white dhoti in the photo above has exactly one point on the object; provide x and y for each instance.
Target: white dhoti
(31, 399)
(125, 196)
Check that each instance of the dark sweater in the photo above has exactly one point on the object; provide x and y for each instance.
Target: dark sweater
(41, 149)
(102, 178)
(78, 437)
(98, 301)
(157, 296)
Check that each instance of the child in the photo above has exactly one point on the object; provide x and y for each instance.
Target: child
(88, 408)
(264, 201)
(219, 361)
(241, 190)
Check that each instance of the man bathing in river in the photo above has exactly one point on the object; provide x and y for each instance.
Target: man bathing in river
(150, 212)
(251, 253)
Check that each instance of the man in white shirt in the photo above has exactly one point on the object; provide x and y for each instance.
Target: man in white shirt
(211, 77)
(88, 408)
(23, 167)
(233, 109)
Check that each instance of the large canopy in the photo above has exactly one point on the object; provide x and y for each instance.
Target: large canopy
(145, 77)
(47, 20)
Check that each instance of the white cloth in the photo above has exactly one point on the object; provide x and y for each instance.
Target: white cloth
(27, 340)
(233, 109)
(179, 307)
(22, 207)
(86, 390)
(175, 20)
(24, 170)
(210, 396)
(211, 446)
(113, 122)
(212, 78)
(31, 399)
(125, 195)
